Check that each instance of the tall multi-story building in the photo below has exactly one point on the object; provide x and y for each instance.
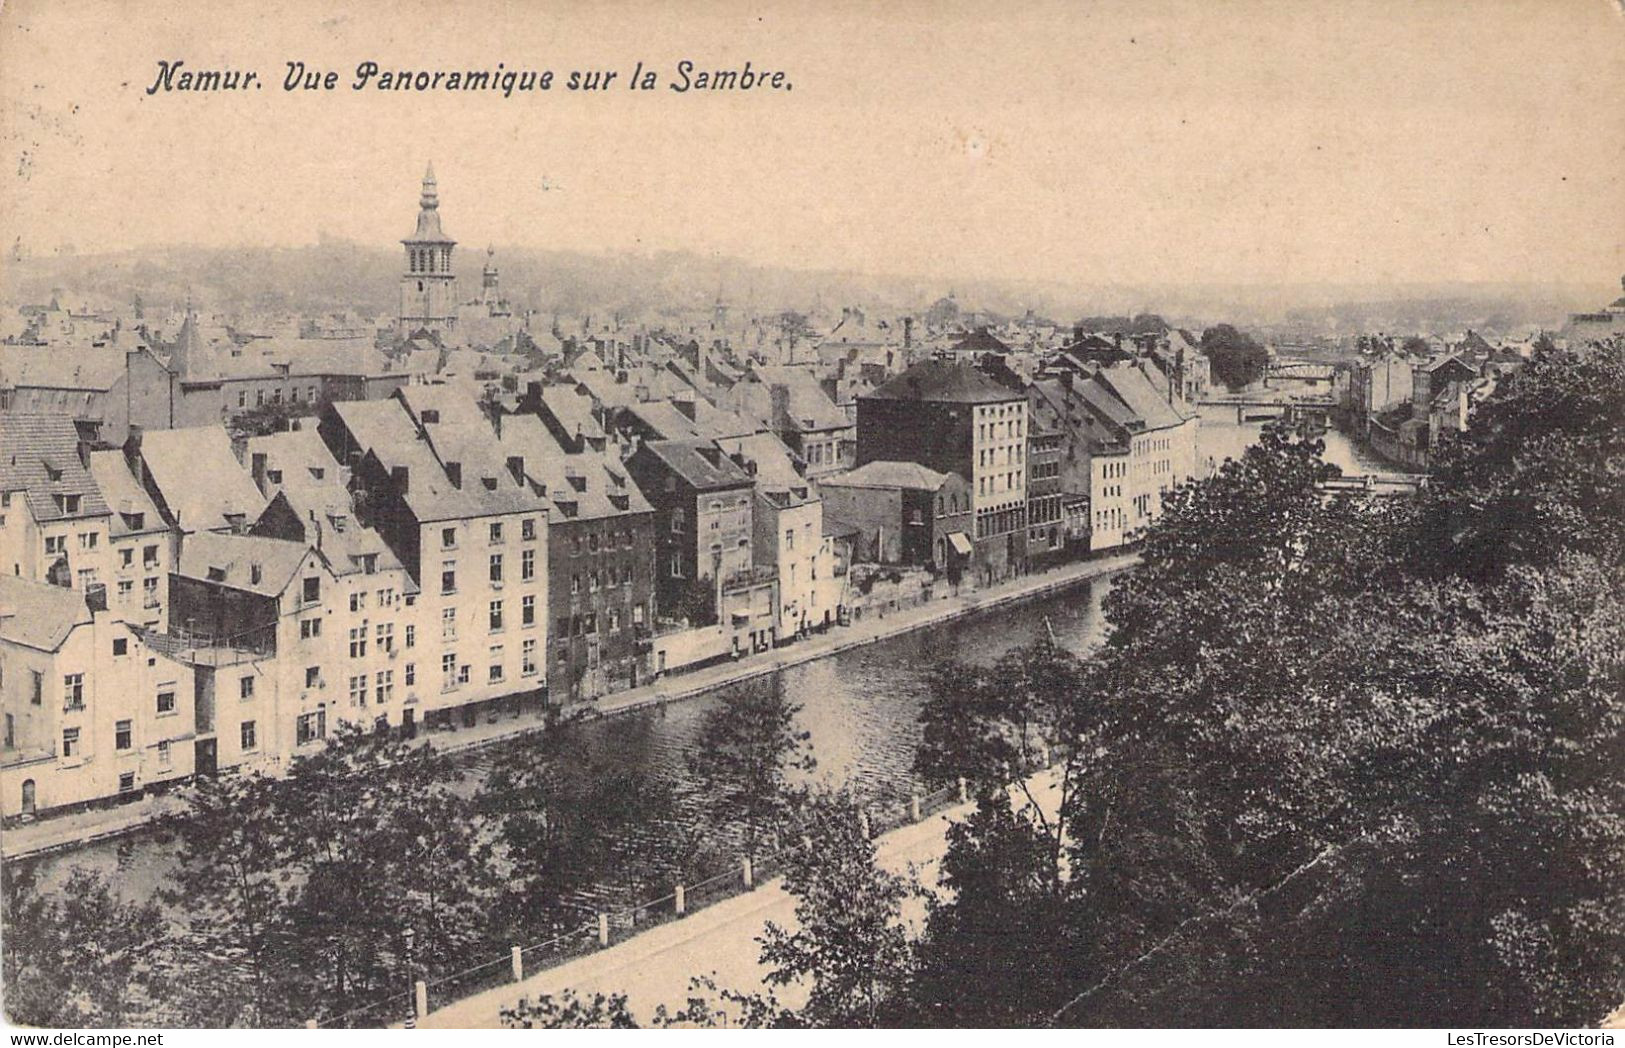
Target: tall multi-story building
(464, 521)
(953, 418)
(53, 519)
(704, 519)
(600, 562)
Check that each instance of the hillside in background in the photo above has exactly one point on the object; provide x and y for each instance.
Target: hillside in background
(335, 274)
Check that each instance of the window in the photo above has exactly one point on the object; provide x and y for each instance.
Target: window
(125, 589)
(313, 590)
(122, 731)
(386, 598)
(311, 727)
(527, 658)
(166, 700)
(527, 529)
(358, 642)
(448, 538)
(615, 616)
(70, 742)
(310, 628)
(126, 782)
(358, 690)
(411, 635)
(73, 691)
(448, 578)
(448, 624)
(163, 753)
(39, 687)
(496, 532)
(496, 663)
(313, 676)
(411, 674)
(575, 546)
(676, 569)
(575, 583)
(789, 538)
(149, 592)
(121, 645)
(245, 688)
(386, 636)
(358, 601)
(54, 544)
(87, 540)
(637, 614)
(385, 686)
(448, 670)
(592, 582)
(677, 520)
(496, 566)
(247, 737)
(527, 610)
(496, 616)
(527, 565)
(592, 543)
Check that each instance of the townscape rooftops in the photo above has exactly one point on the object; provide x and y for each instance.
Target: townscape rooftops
(583, 486)
(39, 455)
(123, 494)
(910, 476)
(199, 478)
(699, 462)
(37, 615)
(945, 381)
(1134, 389)
(93, 369)
(254, 563)
(573, 409)
(980, 341)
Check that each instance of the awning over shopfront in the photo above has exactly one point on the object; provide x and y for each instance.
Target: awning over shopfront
(960, 543)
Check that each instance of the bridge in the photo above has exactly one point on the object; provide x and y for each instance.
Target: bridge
(1262, 406)
(1382, 485)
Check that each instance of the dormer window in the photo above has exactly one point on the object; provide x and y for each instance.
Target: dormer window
(51, 472)
(274, 476)
(338, 521)
(490, 483)
(430, 416)
(217, 574)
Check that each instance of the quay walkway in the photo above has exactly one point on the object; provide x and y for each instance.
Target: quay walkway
(82, 827)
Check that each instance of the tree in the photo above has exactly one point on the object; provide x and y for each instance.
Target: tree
(747, 749)
(1236, 358)
(849, 941)
(232, 883)
(80, 957)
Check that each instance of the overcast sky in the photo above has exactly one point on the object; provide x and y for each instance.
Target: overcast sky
(1141, 142)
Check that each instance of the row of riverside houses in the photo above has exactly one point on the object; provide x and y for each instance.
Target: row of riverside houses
(185, 604)
(971, 471)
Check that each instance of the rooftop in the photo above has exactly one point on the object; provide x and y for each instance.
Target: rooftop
(39, 455)
(943, 381)
(37, 615)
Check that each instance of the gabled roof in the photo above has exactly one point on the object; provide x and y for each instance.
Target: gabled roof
(573, 410)
(37, 615)
(246, 562)
(39, 455)
(199, 478)
(909, 476)
(699, 462)
(979, 341)
(123, 495)
(1134, 389)
(944, 381)
(87, 368)
(585, 486)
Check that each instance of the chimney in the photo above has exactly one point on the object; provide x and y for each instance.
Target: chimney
(315, 534)
(257, 470)
(779, 395)
(454, 473)
(908, 332)
(401, 477)
(516, 466)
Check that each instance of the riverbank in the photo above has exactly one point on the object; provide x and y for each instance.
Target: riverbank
(80, 828)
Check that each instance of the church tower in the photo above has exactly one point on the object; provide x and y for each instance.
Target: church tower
(428, 287)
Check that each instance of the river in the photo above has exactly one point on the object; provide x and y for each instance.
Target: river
(860, 706)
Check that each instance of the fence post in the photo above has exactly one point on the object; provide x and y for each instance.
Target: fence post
(863, 823)
(421, 1001)
(682, 903)
(603, 929)
(518, 958)
(964, 790)
(749, 872)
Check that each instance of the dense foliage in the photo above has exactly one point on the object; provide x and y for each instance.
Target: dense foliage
(1236, 358)
(1338, 763)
